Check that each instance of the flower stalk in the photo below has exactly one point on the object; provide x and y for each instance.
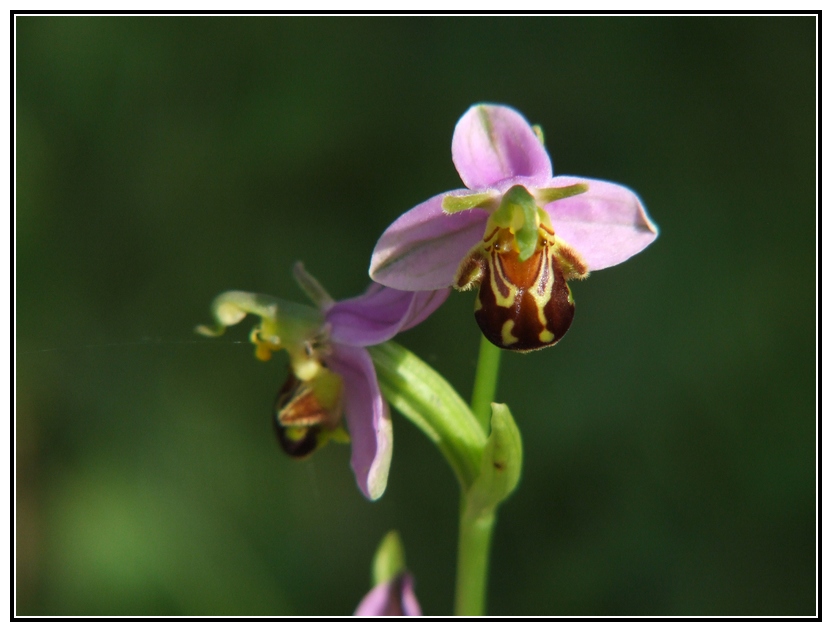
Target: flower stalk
(485, 382)
(472, 560)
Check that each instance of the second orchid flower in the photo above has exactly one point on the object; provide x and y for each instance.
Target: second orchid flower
(330, 369)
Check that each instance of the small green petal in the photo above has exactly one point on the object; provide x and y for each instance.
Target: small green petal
(389, 560)
(545, 196)
(538, 131)
(457, 203)
(311, 287)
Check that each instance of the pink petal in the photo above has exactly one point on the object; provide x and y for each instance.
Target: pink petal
(494, 142)
(410, 605)
(606, 225)
(380, 313)
(368, 418)
(422, 249)
(390, 599)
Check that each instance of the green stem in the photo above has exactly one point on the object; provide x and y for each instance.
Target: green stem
(481, 443)
(485, 383)
(472, 560)
(475, 528)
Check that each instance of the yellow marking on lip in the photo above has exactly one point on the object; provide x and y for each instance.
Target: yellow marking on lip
(546, 336)
(496, 269)
(542, 299)
(508, 339)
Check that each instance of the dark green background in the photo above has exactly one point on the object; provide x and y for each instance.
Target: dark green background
(670, 437)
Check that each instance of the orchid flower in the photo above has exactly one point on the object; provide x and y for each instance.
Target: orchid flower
(516, 232)
(393, 598)
(330, 370)
(392, 594)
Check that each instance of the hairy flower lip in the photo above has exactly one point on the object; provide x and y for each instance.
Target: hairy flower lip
(494, 148)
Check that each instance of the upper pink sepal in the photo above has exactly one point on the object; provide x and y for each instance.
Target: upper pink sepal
(494, 142)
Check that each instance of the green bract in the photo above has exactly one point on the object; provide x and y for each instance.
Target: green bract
(502, 462)
(389, 561)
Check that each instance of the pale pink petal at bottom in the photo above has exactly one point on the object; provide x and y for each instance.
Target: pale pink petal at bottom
(606, 225)
(367, 416)
(422, 249)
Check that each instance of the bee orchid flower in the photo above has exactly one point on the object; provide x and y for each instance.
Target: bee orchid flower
(331, 373)
(516, 232)
(392, 594)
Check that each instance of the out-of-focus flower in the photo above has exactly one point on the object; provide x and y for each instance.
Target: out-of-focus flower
(392, 594)
(393, 598)
(331, 371)
(516, 232)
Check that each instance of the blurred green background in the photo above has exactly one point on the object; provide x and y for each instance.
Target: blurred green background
(670, 437)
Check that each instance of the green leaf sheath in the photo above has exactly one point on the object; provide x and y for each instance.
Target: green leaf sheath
(502, 462)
